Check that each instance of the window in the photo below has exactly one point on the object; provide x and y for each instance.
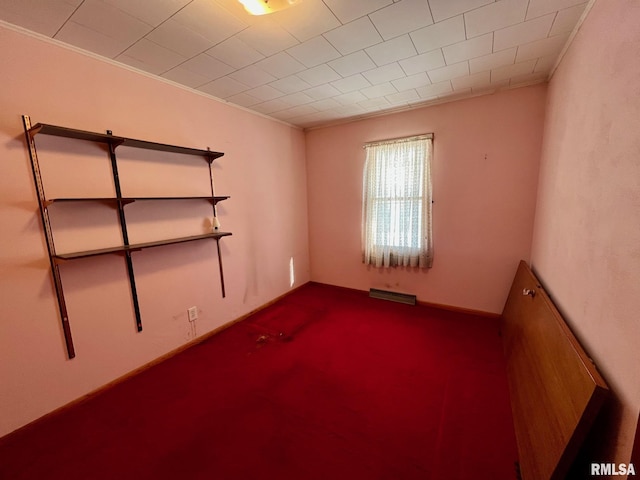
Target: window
(396, 210)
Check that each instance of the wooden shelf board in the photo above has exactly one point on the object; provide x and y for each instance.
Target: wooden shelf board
(107, 200)
(163, 147)
(138, 246)
(46, 129)
(127, 200)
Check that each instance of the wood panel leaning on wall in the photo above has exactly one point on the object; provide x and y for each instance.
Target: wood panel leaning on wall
(556, 391)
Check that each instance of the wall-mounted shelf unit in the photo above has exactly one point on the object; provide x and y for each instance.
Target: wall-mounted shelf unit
(118, 202)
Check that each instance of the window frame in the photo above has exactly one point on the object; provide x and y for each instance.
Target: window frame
(408, 202)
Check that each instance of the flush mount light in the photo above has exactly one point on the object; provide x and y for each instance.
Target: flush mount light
(262, 7)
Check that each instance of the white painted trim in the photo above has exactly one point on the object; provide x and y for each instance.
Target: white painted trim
(573, 34)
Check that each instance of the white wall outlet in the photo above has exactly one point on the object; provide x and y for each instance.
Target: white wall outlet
(193, 313)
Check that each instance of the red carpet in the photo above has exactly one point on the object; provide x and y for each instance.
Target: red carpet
(326, 384)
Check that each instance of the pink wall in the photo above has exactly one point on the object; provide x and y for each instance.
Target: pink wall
(263, 170)
(586, 244)
(485, 170)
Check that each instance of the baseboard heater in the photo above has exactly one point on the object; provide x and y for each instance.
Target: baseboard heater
(392, 296)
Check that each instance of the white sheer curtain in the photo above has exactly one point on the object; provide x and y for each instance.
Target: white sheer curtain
(396, 213)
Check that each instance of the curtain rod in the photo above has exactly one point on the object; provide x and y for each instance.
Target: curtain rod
(399, 140)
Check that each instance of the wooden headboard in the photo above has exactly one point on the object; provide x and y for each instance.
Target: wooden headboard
(555, 389)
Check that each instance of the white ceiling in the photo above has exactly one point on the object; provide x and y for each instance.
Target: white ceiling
(322, 60)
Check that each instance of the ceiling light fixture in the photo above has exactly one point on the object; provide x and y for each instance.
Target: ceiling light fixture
(263, 7)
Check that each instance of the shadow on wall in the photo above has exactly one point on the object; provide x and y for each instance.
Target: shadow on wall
(600, 445)
(635, 455)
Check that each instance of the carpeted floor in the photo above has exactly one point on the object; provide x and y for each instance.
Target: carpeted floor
(326, 384)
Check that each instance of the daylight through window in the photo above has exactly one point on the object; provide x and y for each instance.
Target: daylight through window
(396, 211)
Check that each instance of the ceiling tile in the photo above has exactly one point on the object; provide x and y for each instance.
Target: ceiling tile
(517, 69)
(180, 39)
(423, 62)
(271, 106)
(354, 36)
(528, 79)
(349, 110)
(209, 20)
(391, 50)
(298, 98)
(349, 84)
(101, 17)
(252, 76)
(379, 90)
(435, 90)
(325, 104)
(538, 8)
(322, 91)
(223, 87)
(476, 47)
(186, 77)
(150, 57)
(542, 48)
(495, 16)
(476, 80)
(135, 63)
(545, 64)
(439, 35)
(291, 84)
(351, 64)
(314, 119)
(42, 17)
(162, 9)
(207, 66)
(492, 87)
(350, 98)
(322, 116)
(522, 33)
(374, 104)
(314, 52)
(566, 19)
(280, 115)
(401, 17)
(90, 40)
(267, 37)
(403, 97)
(347, 11)
(389, 72)
(294, 112)
(443, 9)
(304, 24)
(450, 71)
(494, 60)
(235, 52)
(280, 65)
(457, 94)
(243, 99)
(413, 81)
(319, 75)
(264, 93)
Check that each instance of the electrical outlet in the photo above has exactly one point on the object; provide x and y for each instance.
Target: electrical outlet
(193, 313)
